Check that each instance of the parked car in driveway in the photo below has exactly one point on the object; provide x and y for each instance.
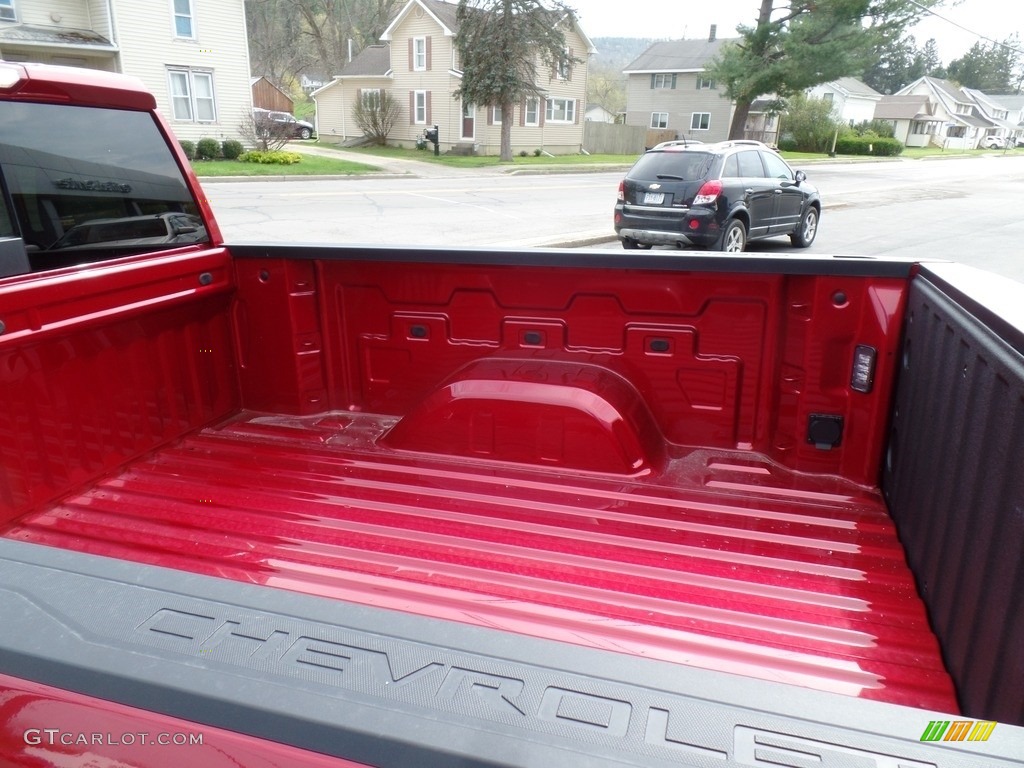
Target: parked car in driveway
(281, 125)
(992, 142)
(719, 196)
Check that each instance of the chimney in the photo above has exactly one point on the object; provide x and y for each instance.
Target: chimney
(711, 34)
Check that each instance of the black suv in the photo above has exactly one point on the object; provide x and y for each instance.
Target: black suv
(716, 196)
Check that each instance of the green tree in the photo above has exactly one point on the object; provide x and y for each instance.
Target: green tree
(930, 61)
(991, 67)
(797, 44)
(896, 64)
(606, 86)
(501, 44)
(287, 37)
(809, 123)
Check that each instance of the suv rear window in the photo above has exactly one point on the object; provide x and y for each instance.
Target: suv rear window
(686, 166)
(89, 183)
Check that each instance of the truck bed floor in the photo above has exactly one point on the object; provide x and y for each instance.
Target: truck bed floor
(724, 561)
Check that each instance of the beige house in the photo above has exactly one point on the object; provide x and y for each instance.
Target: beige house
(192, 54)
(417, 63)
(667, 88)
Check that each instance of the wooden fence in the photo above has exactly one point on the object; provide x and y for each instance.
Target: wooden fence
(616, 139)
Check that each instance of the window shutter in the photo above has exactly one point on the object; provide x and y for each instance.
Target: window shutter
(412, 107)
(673, 81)
(576, 113)
(522, 113)
(569, 66)
(412, 63)
(428, 55)
(427, 97)
(542, 108)
(652, 81)
(490, 115)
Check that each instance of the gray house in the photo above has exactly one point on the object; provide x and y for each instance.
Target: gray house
(667, 88)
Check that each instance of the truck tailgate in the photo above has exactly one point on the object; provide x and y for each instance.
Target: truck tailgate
(725, 561)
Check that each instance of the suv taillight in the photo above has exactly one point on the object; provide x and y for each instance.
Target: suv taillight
(708, 193)
(622, 191)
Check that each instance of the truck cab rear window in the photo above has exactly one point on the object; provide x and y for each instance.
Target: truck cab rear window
(88, 184)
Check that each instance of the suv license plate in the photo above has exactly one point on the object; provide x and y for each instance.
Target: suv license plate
(654, 198)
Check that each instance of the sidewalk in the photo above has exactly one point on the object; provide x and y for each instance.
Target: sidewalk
(427, 170)
(397, 166)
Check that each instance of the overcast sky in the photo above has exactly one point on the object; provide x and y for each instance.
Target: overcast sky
(692, 19)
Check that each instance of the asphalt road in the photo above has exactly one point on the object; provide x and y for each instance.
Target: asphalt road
(961, 209)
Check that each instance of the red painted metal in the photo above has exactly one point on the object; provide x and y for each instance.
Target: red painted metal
(725, 560)
(41, 725)
(101, 366)
(736, 546)
(721, 360)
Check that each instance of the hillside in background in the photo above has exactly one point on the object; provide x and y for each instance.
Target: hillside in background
(616, 52)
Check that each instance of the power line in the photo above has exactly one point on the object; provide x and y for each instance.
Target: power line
(980, 36)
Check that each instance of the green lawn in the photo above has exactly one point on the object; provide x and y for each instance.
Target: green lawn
(486, 161)
(311, 165)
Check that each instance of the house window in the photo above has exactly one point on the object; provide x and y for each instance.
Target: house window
(561, 111)
(532, 116)
(370, 98)
(192, 97)
(7, 11)
(700, 121)
(659, 119)
(827, 97)
(419, 115)
(705, 84)
(563, 69)
(419, 53)
(496, 115)
(184, 21)
(663, 80)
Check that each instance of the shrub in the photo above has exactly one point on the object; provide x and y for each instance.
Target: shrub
(877, 146)
(231, 149)
(810, 123)
(376, 113)
(189, 148)
(538, 152)
(207, 149)
(276, 157)
(788, 144)
(523, 153)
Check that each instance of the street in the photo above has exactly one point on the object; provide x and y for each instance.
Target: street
(962, 209)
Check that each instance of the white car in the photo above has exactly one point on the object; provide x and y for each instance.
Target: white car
(992, 142)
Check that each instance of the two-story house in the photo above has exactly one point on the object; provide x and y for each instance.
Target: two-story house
(417, 63)
(951, 112)
(992, 109)
(853, 101)
(192, 54)
(667, 88)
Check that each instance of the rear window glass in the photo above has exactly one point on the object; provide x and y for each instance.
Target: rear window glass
(688, 166)
(89, 183)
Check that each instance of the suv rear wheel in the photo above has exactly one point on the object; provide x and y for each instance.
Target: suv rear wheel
(807, 230)
(733, 238)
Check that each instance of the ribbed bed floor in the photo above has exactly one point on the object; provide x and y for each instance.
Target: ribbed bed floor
(725, 561)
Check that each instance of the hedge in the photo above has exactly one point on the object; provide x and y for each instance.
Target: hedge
(868, 145)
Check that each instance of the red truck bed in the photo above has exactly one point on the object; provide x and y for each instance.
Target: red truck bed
(724, 560)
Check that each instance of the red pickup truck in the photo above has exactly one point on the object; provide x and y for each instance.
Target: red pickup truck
(282, 505)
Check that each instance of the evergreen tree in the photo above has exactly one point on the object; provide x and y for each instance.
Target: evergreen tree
(797, 44)
(501, 44)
